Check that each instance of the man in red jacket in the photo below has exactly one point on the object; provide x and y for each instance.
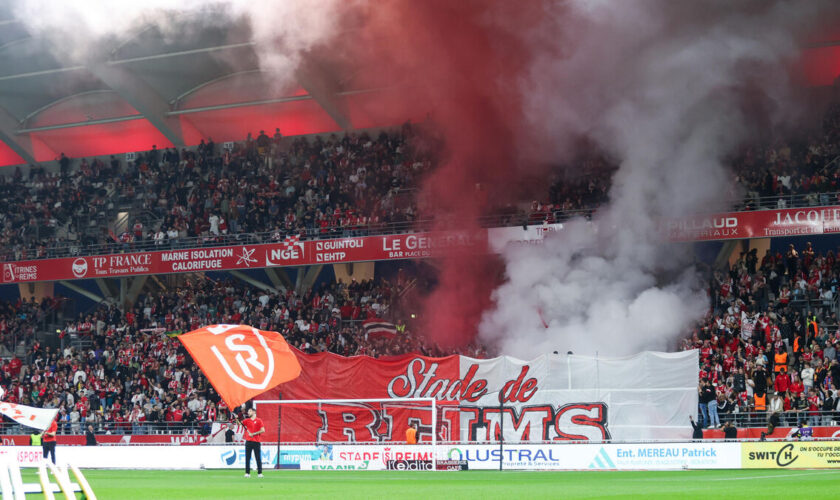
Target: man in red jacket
(254, 429)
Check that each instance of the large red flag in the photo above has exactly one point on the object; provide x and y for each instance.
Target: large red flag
(240, 361)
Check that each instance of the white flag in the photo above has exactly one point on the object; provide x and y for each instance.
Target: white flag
(39, 418)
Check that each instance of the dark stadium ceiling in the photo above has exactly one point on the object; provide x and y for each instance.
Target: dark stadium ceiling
(164, 90)
(205, 83)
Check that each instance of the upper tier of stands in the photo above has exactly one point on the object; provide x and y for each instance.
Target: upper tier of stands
(268, 187)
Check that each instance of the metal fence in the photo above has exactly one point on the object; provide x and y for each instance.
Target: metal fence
(790, 418)
(739, 419)
(117, 428)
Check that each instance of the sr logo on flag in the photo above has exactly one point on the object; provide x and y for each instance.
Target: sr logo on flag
(251, 368)
(241, 361)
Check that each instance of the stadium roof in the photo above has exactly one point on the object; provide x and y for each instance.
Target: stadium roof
(200, 83)
(167, 90)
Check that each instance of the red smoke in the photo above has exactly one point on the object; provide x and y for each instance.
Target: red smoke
(460, 62)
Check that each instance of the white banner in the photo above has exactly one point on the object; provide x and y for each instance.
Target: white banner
(39, 418)
(648, 396)
(500, 237)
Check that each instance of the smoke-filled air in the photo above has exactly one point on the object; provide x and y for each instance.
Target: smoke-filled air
(658, 86)
(655, 85)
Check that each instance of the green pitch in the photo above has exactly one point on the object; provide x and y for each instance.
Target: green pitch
(343, 485)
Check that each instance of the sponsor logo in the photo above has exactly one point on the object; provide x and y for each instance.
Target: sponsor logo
(254, 369)
(814, 216)
(602, 460)
(79, 267)
(245, 257)
(783, 457)
(290, 249)
(113, 265)
(14, 272)
(8, 272)
(708, 227)
(451, 464)
(339, 465)
(541, 456)
(229, 457)
(409, 465)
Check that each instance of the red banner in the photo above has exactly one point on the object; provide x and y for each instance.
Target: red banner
(290, 252)
(111, 439)
(329, 376)
(778, 433)
(757, 224)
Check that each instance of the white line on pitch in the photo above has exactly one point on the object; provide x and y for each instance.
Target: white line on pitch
(774, 476)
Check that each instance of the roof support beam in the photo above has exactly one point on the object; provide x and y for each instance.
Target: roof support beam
(142, 97)
(324, 89)
(22, 145)
(279, 278)
(253, 282)
(306, 277)
(81, 291)
(104, 288)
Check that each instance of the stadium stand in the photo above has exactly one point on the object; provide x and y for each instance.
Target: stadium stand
(768, 347)
(133, 375)
(323, 187)
(131, 370)
(317, 187)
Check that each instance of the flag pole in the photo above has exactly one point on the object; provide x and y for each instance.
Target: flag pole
(279, 414)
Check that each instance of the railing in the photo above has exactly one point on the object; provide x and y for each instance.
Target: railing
(331, 232)
(751, 203)
(740, 420)
(791, 418)
(116, 428)
(497, 220)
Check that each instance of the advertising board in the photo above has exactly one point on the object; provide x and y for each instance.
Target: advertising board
(791, 455)
(651, 456)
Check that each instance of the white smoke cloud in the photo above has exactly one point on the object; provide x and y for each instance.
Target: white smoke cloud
(282, 31)
(656, 84)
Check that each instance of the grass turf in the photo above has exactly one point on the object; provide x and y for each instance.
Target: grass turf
(343, 485)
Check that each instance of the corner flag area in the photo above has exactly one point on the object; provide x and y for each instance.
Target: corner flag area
(206, 484)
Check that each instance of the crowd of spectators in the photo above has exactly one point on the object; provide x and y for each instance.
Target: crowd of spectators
(784, 169)
(133, 375)
(336, 185)
(325, 186)
(20, 319)
(769, 346)
(776, 173)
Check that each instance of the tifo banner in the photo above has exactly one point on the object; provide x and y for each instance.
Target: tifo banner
(37, 418)
(795, 455)
(551, 398)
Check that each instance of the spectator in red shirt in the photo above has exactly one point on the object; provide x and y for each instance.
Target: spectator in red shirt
(48, 439)
(782, 382)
